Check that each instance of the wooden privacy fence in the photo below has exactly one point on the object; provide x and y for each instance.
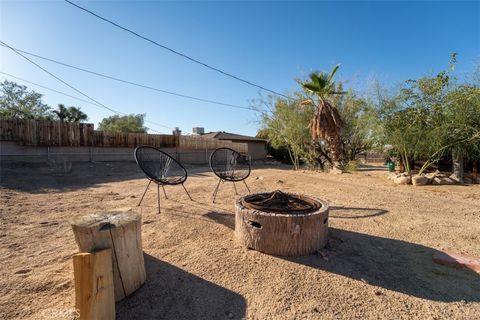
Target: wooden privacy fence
(43, 133)
(46, 133)
(132, 140)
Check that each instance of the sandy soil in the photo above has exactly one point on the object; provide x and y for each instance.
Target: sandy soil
(378, 262)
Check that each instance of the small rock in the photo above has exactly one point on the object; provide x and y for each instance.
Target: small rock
(229, 315)
(378, 292)
(392, 176)
(403, 180)
(280, 181)
(467, 180)
(439, 180)
(432, 175)
(419, 180)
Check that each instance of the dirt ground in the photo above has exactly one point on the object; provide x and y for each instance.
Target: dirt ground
(378, 263)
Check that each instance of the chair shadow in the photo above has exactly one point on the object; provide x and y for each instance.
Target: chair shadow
(394, 265)
(355, 213)
(172, 293)
(226, 219)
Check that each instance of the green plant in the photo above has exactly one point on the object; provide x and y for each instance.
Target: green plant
(132, 123)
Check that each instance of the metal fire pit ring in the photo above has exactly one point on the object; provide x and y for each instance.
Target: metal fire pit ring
(280, 202)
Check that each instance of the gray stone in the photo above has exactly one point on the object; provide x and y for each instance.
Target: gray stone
(442, 181)
(419, 180)
(432, 175)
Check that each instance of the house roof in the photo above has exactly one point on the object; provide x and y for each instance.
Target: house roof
(222, 135)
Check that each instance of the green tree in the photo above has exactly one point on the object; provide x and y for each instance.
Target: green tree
(70, 114)
(18, 102)
(326, 123)
(287, 127)
(130, 123)
(462, 125)
(360, 119)
(431, 117)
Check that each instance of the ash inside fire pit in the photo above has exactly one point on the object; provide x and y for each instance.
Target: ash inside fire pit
(280, 202)
(282, 223)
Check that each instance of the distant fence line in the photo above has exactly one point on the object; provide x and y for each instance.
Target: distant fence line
(44, 133)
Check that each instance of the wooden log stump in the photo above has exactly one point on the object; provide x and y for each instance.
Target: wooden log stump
(279, 233)
(120, 231)
(94, 294)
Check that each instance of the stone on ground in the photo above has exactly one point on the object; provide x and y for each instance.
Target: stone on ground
(402, 180)
(419, 180)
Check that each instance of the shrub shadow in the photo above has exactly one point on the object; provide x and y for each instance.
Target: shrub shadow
(172, 293)
(394, 265)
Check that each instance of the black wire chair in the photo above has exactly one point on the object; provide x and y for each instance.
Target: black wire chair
(229, 165)
(160, 168)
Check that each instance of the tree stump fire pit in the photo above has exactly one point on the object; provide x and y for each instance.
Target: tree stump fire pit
(281, 223)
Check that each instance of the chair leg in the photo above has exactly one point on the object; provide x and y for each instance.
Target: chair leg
(158, 197)
(235, 187)
(164, 192)
(216, 190)
(246, 186)
(187, 192)
(148, 185)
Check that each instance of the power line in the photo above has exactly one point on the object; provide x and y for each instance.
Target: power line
(68, 85)
(135, 83)
(47, 88)
(176, 52)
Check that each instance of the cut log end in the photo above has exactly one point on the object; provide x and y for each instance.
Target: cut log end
(121, 232)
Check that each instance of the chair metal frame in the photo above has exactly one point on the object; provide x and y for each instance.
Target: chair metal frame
(229, 178)
(158, 181)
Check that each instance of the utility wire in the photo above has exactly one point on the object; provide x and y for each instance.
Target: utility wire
(68, 95)
(135, 83)
(176, 52)
(47, 88)
(73, 97)
(68, 85)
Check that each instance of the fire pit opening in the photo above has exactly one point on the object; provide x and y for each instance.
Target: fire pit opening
(281, 223)
(280, 202)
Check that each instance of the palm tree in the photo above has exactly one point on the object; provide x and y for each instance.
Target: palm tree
(70, 114)
(61, 112)
(326, 123)
(76, 115)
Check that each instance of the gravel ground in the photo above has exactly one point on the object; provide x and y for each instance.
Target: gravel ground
(378, 262)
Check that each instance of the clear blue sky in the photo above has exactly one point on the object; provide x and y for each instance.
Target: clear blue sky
(269, 43)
